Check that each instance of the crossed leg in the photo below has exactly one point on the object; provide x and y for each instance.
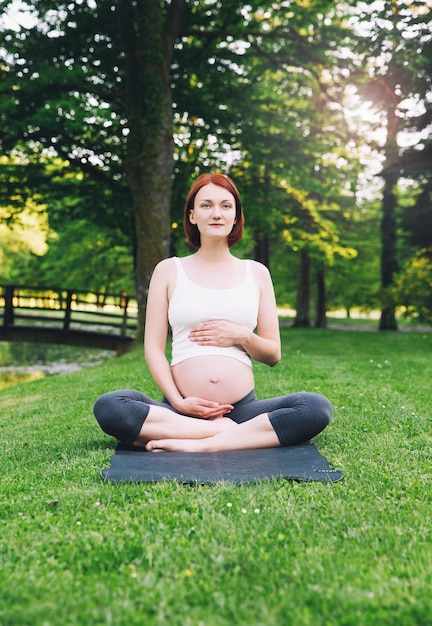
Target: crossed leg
(255, 433)
(130, 416)
(163, 424)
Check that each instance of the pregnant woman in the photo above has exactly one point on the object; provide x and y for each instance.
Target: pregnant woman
(222, 314)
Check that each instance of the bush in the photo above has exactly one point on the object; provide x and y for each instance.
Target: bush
(413, 287)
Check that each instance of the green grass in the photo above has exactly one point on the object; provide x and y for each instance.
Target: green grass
(75, 550)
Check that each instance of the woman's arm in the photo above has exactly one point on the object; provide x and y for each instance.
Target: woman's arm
(155, 338)
(265, 344)
(156, 329)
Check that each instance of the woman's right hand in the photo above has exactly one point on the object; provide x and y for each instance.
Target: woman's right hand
(205, 409)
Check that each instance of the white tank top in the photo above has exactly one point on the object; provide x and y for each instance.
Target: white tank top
(191, 305)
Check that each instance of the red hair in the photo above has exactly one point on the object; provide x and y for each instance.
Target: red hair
(191, 230)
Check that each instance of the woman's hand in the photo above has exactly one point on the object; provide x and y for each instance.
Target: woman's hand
(205, 409)
(219, 333)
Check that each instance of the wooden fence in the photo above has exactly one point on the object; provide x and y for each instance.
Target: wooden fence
(65, 316)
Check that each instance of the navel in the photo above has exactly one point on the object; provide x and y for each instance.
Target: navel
(214, 380)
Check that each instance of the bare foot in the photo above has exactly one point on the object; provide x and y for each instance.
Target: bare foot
(190, 445)
(254, 433)
(177, 445)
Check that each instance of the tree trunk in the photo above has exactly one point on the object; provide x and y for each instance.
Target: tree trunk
(302, 319)
(388, 257)
(261, 248)
(389, 265)
(321, 305)
(148, 35)
(261, 236)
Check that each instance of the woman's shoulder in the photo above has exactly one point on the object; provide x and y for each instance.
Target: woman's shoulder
(166, 264)
(165, 269)
(262, 276)
(259, 269)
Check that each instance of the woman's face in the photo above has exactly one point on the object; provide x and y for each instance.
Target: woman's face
(214, 211)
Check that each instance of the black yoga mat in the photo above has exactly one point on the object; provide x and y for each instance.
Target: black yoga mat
(302, 463)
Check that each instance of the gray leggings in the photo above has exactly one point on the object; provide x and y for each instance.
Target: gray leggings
(296, 418)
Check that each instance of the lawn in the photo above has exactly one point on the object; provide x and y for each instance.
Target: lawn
(78, 551)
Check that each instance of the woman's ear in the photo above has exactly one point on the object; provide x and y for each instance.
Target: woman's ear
(192, 217)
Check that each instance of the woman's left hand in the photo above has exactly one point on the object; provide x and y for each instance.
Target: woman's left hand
(218, 333)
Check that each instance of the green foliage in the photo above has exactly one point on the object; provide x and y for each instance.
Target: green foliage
(87, 257)
(413, 287)
(21, 238)
(258, 91)
(356, 283)
(76, 550)
(416, 219)
(279, 125)
(50, 244)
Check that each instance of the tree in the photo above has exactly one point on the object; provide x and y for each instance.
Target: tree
(92, 84)
(250, 86)
(397, 54)
(295, 168)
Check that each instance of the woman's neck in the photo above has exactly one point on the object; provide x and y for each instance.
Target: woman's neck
(214, 253)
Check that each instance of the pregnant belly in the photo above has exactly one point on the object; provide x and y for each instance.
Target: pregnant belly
(217, 378)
